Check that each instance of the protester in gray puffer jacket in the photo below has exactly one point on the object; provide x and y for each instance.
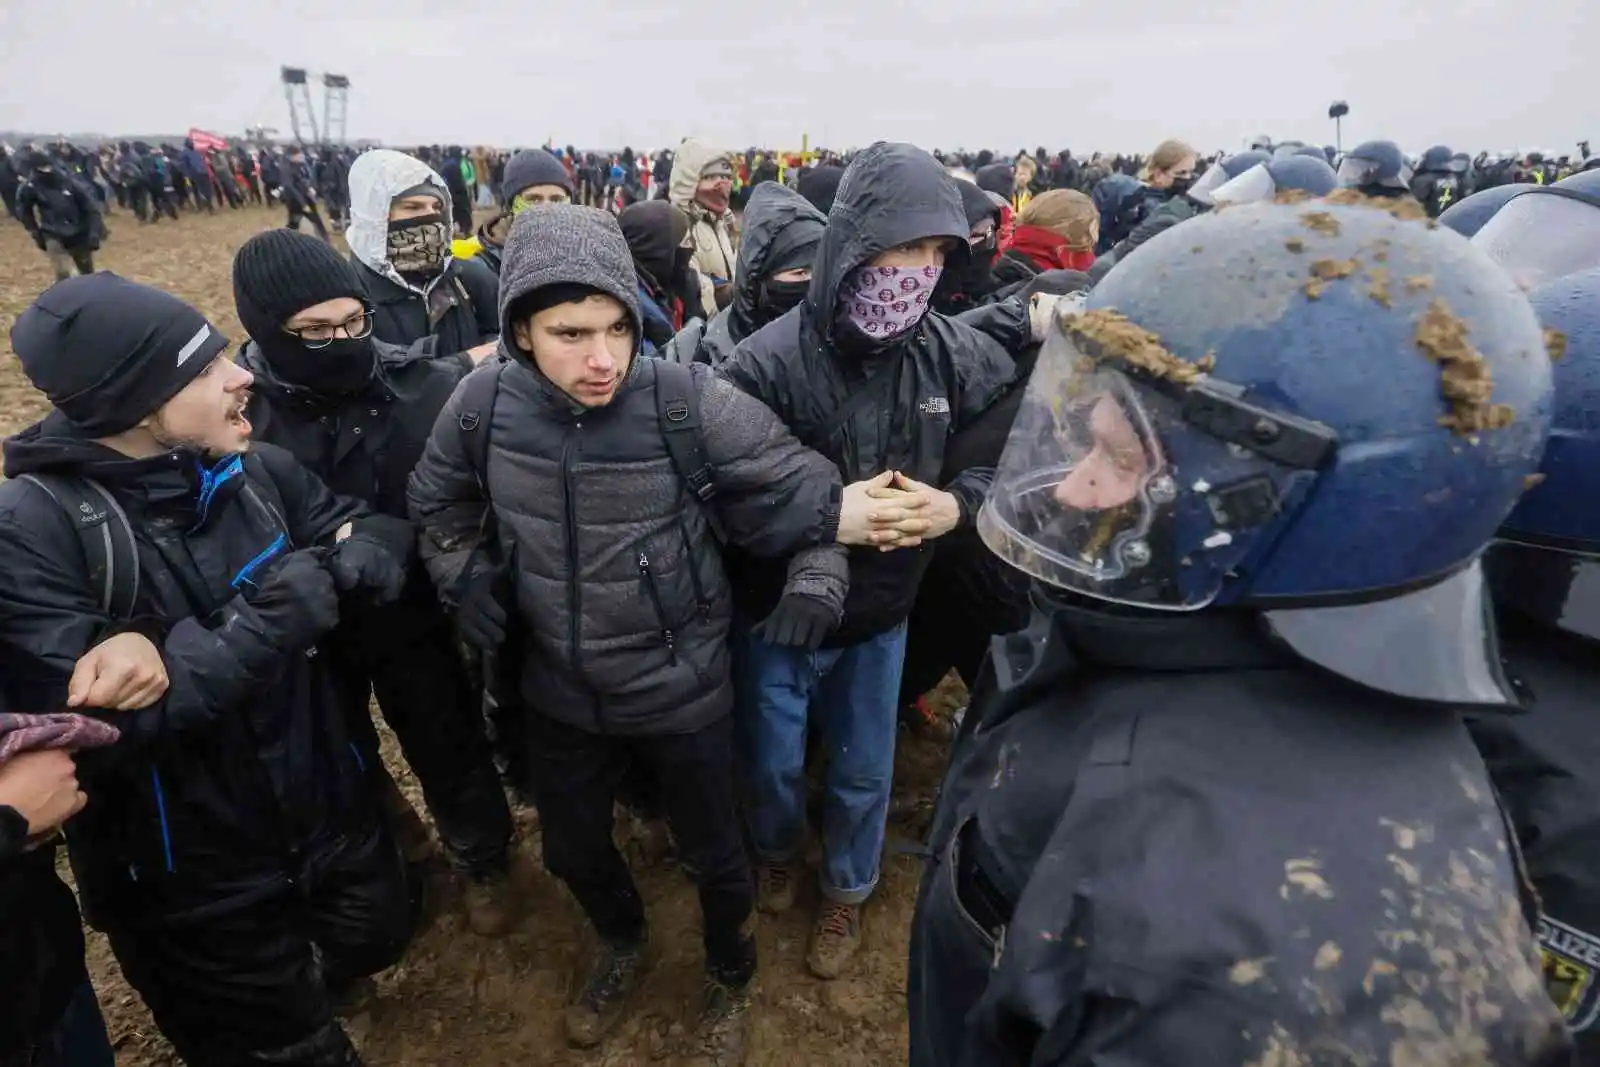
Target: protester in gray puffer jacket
(618, 588)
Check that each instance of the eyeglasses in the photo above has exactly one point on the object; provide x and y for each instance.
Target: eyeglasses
(321, 335)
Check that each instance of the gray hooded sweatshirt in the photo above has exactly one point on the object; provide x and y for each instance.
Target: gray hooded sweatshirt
(619, 582)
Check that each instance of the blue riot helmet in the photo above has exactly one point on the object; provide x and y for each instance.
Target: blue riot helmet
(1436, 158)
(1460, 163)
(1546, 231)
(1310, 151)
(1222, 172)
(1547, 563)
(1331, 152)
(1468, 216)
(1375, 167)
(1117, 197)
(1287, 148)
(1281, 174)
(1584, 181)
(1318, 411)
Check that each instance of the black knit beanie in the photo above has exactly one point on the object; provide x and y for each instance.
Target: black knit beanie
(280, 273)
(109, 352)
(530, 167)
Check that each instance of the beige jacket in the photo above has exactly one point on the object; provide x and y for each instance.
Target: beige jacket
(716, 250)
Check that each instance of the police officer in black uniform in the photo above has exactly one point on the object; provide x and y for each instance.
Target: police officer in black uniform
(1217, 804)
(1545, 577)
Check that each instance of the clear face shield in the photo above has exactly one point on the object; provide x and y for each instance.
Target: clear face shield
(1213, 179)
(1253, 186)
(1355, 172)
(1539, 236)
(1089, 497)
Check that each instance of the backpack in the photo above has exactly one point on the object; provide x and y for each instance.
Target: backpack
(677, 414)
(106, 535)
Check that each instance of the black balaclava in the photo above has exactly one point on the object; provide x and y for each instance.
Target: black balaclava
(654, 230)
(277, 275)
(794, 248)
(960, 289)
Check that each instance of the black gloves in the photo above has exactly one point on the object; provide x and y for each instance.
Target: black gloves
(481, 614)
(798, 621)
(38, 239)
(297, 599)
(375, 557)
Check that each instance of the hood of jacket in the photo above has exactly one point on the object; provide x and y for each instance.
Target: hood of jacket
(776, 219)
(890, 194)
(566, 244)
(376, 178)
(692, 157)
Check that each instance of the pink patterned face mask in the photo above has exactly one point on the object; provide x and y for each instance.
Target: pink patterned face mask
(885, 302)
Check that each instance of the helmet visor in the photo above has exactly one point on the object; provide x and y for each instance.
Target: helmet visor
(1252, 186)
(1539, 236)
(1086, 497)
(1215, 177)
(1355, 172)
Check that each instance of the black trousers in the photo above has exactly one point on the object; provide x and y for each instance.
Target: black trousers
(576, 775)
(405, 654)
(309, 211)
(255, 984)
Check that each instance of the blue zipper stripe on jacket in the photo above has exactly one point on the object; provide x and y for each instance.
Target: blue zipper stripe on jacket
(278, 544)
(161, 811)
(212, 480)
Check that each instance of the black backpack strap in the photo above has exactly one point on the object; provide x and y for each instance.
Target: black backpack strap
(678, 412)
(109, 547)
(478, 395)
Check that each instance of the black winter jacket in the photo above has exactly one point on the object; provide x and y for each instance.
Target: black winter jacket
(618, 577)
(214, 794)
(62, 209)
(459, 312)
(41, 938)
(911, 395)
(365, 445)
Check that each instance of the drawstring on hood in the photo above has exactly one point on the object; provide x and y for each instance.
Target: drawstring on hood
(376, 179)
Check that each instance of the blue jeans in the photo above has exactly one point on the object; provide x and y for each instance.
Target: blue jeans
(852, 694)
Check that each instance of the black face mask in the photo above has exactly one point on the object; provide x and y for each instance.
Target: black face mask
(778, 298)
(1179, 186)
(341, 368)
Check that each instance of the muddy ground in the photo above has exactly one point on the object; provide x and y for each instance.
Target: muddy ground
(460, 999)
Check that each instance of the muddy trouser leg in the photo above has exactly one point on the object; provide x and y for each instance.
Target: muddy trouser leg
(83, 259)
(240, 988)
(575, 776)
(316, 222)
(695, 775)
(295, 215)
(429, 702)
(60, 259)
(506, 717)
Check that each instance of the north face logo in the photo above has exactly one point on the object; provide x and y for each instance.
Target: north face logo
(934, 405)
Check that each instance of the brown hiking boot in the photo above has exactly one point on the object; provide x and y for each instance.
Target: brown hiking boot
(491, 903)
(834, 938)
(612, 980)
(722, 1034)
(775, 887)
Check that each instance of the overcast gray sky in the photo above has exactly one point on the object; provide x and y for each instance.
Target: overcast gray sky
(1108, 74)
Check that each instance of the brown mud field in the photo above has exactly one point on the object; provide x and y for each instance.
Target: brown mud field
(460, 999)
